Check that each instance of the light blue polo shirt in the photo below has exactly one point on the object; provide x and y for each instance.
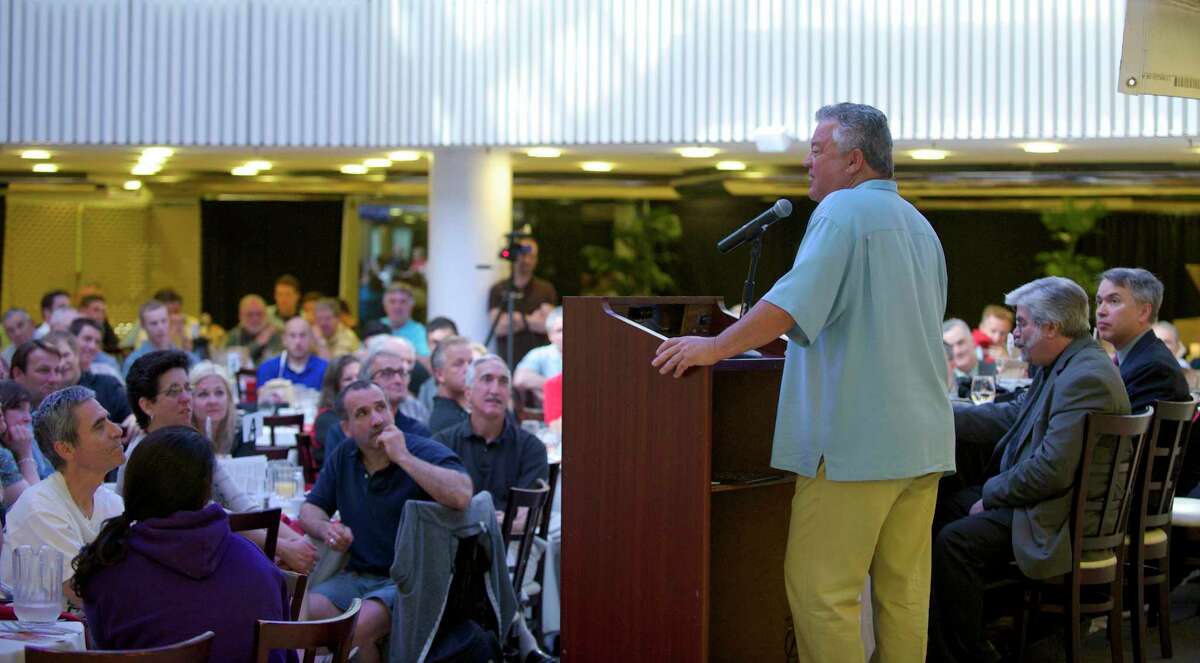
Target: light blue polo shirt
(414, 332)
(864, 378)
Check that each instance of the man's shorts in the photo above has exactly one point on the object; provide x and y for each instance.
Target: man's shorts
(346, 586)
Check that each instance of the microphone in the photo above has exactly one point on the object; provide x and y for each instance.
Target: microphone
(780, 210)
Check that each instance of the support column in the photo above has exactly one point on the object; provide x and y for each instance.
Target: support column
(470, 210)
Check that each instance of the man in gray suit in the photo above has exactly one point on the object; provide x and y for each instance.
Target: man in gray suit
(1021, 512)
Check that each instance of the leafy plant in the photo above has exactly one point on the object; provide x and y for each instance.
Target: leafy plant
(642, 246)
(1067, 226)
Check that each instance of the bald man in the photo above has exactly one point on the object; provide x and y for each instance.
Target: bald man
(297, 363)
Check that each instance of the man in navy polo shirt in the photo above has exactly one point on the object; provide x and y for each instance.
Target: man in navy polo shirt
(368, 482)
(302, 367)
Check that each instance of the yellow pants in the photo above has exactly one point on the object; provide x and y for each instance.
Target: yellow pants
(842, 530)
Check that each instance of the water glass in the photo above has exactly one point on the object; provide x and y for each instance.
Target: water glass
(983, 389)
(37, 584)
(286, 480)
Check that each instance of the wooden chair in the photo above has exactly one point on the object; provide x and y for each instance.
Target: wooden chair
(273, 451)
(1150, 521)
(308, 462)
(267, 519)
(195, 650)
(335, 634)
(543, 531)
(533, 499)
(297, 584)
(1099, 513)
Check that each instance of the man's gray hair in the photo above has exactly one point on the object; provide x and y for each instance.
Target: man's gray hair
(865, 128)
(1054, 300)
(554, 317)
(364, 371)
(438, 358)
(483, 360)
(15, 311)
(1144, 286)
(955, 323)
(54, 421)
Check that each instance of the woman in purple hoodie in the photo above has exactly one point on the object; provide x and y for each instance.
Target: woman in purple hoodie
(169, 569)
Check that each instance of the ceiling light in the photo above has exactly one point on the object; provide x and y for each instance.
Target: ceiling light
(35, 154)
(377, 163)
(697, 152)
(354, 169)
(245, 170)
(143, 168)
(404, 155)
(45, 168)
(928, 155)
(544, 152)
(731, 165)
(1042, 148)
(259, 165)
(157, 153)
(132, 185)
(596, 166)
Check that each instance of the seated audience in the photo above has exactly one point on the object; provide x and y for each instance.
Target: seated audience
(61, 319)
(421, 383)
(1021, 511)
(184, 330)
(155, 319)
(297, 364)
(308, 305)
(213, 411)
(51, 302)
(287, 300)
(94, 307)
(451, 362)
(332, 337)
(92, 358)
(1169, 335)
(37, 366)
(18, 464)
(67, 510)
(991, 337)
(18, 327)
(390, 365)
(341, 372)
(543, 362)
(109, 390)
(169, 568)
(1127, 303)
(398, 302)
(254, 331)
(368, 483)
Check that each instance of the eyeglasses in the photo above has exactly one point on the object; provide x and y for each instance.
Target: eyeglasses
(389, 373)
(175, 391)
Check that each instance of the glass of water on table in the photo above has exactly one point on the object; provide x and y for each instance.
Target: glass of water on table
(37, 584)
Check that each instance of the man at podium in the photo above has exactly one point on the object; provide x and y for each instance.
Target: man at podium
(863, 415)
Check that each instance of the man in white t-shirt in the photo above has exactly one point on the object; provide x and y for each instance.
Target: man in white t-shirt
(67, 509)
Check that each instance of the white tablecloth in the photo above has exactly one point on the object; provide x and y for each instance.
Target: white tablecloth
(61, 635)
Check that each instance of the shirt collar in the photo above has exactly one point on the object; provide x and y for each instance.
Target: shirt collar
(505, 433)
(878, 183)
(1124, 352)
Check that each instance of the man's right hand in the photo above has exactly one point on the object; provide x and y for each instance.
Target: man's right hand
(339, 537)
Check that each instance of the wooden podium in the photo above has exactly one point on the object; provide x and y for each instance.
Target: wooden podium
(659, 562)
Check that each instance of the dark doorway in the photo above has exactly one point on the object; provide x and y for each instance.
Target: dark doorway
(248, 244)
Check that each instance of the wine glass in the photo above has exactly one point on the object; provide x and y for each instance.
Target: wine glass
(983, 389)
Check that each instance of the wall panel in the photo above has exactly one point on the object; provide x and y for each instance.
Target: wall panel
(428, 73)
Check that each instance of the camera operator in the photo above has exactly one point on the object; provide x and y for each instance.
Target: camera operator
(534, 299)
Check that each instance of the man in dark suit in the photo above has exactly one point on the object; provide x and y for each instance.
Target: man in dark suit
(1021, 512)
(1127, 304)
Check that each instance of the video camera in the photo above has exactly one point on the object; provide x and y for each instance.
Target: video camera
(514, 248)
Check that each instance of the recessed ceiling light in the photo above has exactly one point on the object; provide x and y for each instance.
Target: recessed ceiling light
(354, 169)
(1042, 148)
(544, 152)
(259, 165)
(245, 170)
(928, 155)
(377, 163)
(596, 166)
(143, 168)
(132, 185)
(157, 153)
(697, 152)
(404, 155)
(45, 168)
(731, 165)
(35, 154)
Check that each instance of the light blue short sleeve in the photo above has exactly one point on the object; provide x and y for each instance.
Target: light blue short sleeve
(809, 291)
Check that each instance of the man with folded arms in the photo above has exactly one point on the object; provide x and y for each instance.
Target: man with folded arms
(1021, 512)
(368, 483)
(863, 415)
(67, 509)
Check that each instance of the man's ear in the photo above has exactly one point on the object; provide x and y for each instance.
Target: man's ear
(345, 426)
(64, 450)
(856, 162)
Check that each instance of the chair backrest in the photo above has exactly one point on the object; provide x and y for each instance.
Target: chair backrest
(297, 584)
(267, 519)
(283, 420)
(544, 526)
(1162, 461)
(194, 650)
(533, 499)
(1104, 481)
(308, 462)
(334, 634)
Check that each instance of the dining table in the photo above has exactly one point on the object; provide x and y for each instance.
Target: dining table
(15, 637)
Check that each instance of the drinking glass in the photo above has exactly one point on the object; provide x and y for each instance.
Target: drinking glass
(983, 389)
(37, 584)
(286, 480)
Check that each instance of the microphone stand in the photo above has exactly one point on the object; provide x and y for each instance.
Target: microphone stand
(748, 288)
